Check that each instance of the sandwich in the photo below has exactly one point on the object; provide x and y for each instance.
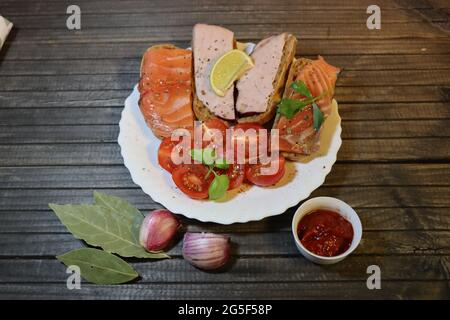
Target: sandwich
(308, 99)
(209, 43)
(260, 88)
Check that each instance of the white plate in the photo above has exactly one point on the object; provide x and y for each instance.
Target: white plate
(139, 149)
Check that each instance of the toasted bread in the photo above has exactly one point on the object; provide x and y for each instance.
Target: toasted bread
(209, 43)
(278, 84)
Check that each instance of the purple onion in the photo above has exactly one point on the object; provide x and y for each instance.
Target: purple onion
(158, 229)
(206, 251)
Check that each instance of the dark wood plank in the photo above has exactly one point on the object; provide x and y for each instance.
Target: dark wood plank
(109, 133)
(247, 269)
(128, 80)
(313, 290)
(380, 197)
(249, 244)
(127, 65)
(245, 32)
(61, 99)
(230, 18)
(133, 48)
(401, 149)
(370, 174)
(20, 8)
(373, 219)
(50, 114)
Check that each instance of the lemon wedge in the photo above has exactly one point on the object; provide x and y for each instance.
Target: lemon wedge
(227, 69)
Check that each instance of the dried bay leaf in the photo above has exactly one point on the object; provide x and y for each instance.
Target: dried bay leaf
(122, 208)
(118, 205)
(98, 266)
(101, 227)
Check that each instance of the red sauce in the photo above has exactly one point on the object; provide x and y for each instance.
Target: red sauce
(325, 233)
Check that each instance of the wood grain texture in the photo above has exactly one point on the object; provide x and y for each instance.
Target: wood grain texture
(62, 93)
(131, 65)
(24, 7)
(279, 243)
(373, 219)
(133, 49)
(96, 133)
(246, 269)
(380, 196)
(354, 150)
(198, 291)
(81, 82)
(366, 174)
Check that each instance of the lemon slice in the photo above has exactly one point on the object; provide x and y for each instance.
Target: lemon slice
(227, 69)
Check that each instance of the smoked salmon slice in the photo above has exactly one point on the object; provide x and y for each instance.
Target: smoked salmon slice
(166, 89)
(297, 134)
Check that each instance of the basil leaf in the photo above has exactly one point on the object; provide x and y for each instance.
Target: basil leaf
(209, 155)
(300, 87)
(218, 187)
(289, 107)
(197, 155)
(205, 156)
(98, 266)
(221, 164)
(101, 227)
(317, 116)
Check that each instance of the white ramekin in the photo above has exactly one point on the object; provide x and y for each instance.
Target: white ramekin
(333, 204)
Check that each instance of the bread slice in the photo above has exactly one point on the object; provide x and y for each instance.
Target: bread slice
(278, 84)
(209, 43)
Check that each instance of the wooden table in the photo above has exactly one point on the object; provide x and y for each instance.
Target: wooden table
(62, 92)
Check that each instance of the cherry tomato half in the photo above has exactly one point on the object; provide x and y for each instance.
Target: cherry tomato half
(254, 175)
(165, 152)
(214, 132)
(236, 174)
(192, 180)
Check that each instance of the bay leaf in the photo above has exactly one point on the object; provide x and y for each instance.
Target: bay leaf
(101, 227)
(118, 205)
(122, 208)
(98, 266)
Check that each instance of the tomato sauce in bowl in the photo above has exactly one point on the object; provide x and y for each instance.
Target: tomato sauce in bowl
(325, 233)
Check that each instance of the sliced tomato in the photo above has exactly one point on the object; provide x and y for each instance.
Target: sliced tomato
(167, 148)
(236, 174)
(254, 175)
(193, 180)
(214, 133)
(165, 152)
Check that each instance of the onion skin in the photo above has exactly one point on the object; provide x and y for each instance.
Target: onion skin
(158, 229)
(207, 251)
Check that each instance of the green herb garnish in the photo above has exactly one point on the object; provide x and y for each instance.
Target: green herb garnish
(289, 107)
(205, 156)
(317, 117)
(218, 187)
(300, 87)
(221, 164)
